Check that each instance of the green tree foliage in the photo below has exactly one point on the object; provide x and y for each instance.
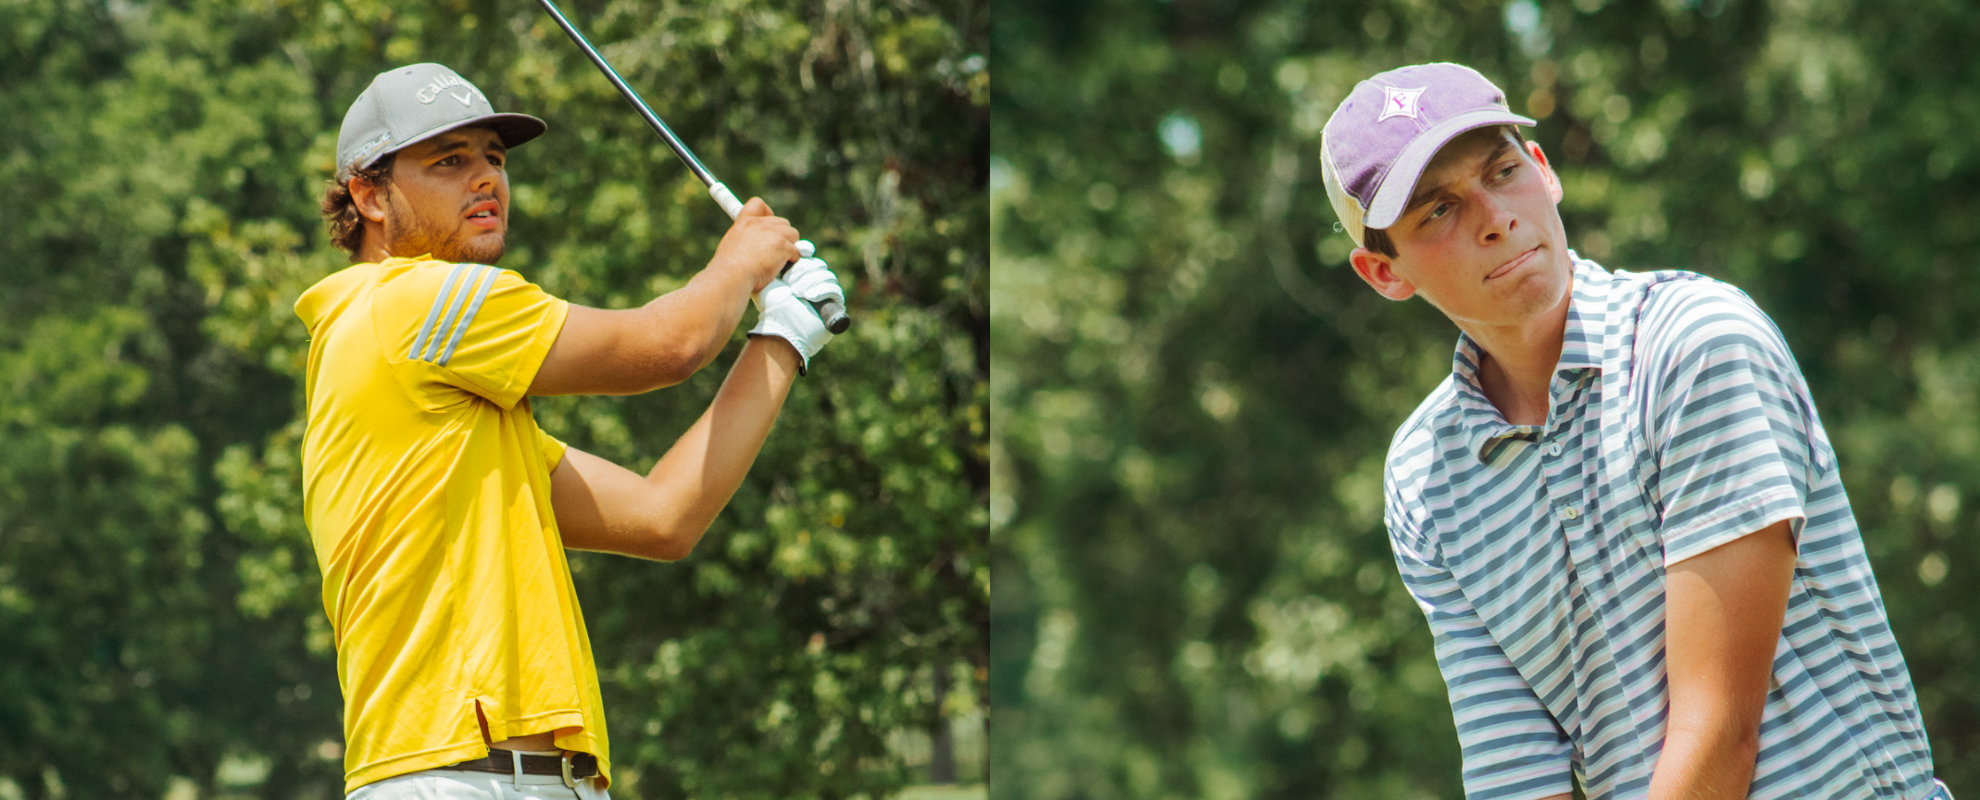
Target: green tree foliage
(1192, 392)
(161, 627)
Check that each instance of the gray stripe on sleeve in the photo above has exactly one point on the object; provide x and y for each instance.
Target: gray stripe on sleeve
(439, 300)
(467, 317)
(432, 349)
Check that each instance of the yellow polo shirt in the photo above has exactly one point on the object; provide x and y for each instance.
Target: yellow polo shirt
(426, 487)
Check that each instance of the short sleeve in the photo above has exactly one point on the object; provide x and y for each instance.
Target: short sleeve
(472, 326)
(1512, 748)
(551, 448)
(1730, 425)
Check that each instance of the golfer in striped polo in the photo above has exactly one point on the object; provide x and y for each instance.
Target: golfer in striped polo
(1619, 513)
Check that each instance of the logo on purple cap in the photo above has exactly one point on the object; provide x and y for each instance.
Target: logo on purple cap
(1399, 102)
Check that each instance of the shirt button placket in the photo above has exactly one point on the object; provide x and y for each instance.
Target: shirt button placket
(1567, 512)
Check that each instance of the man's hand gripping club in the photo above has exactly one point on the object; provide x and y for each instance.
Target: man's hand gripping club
(758, 245)
(787, 308)
(786, 301)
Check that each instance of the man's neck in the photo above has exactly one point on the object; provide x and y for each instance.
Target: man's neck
(376, 254)
(372, 251)
(376, 247)
(1518, 364)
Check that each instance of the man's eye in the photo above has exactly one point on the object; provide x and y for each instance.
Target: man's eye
(496, 160)
(448, 161)
(1508, 170)
(1438, 210)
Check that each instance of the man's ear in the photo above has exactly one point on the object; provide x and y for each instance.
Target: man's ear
(369, 199)
(1379, 271)
(1546, 171)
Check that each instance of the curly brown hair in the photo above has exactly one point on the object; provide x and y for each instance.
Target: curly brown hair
(346, 224)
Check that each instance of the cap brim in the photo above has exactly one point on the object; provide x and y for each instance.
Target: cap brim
(1408, 167)
(514, 129)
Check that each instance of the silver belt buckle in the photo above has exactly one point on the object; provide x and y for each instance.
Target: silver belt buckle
(569, 782)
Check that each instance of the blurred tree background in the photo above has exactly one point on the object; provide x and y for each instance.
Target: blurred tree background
(161, 628)
(1192, 393)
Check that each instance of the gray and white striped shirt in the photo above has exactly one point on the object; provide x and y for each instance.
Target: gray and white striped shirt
(1678, 422)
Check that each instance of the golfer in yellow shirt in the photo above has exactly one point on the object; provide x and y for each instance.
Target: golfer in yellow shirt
(439, 512)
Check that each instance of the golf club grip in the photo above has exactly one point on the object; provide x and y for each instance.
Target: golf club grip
(834, 315)
(831, 311)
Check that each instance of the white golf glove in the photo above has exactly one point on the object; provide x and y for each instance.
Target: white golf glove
(784, 308)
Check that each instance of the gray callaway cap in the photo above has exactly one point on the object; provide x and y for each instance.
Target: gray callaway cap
(409, 104)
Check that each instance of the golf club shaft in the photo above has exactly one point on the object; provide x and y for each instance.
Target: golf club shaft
(831, 311)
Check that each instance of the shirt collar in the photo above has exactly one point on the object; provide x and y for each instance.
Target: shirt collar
(1587, 320)
(1478, 420)
(1581, 348)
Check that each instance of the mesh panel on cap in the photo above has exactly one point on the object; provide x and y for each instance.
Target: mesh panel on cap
(1345, 206)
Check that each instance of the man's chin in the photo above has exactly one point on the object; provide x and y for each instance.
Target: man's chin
(483, 249)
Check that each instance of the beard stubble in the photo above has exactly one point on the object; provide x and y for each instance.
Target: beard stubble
(410, 233)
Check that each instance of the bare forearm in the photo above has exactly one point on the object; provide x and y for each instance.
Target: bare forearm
(696, 320)
(1723, 612)
(704, 468)
(1706, 760)
(637, 350)
(672, 337)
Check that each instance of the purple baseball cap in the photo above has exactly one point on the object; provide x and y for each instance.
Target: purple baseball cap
(1387, 130)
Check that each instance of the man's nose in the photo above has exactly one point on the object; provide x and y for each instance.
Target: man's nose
(1499, 220)
(486, 177)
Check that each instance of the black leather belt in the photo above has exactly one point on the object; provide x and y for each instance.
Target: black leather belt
(574, 767)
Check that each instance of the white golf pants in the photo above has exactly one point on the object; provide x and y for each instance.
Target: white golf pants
(457, 784)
